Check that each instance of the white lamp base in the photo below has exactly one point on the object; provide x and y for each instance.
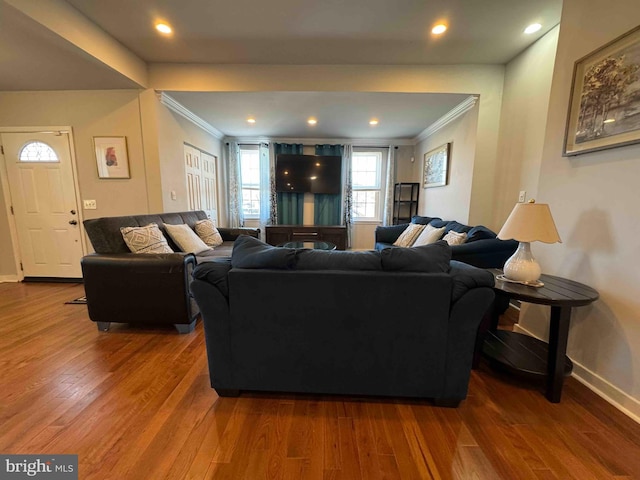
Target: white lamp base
(522, 267)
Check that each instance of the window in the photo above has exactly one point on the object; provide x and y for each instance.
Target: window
(250, 173)
(366, 178)
(38, 152)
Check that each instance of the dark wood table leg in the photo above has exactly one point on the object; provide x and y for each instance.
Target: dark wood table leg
(558, 335)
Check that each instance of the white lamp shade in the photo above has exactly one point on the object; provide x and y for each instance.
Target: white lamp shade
(530, 222)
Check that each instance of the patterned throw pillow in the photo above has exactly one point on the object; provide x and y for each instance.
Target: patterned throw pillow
(455, 238)
(148, 239)
(208, 232)
(186, 239)
(429, 235)
(409, 236)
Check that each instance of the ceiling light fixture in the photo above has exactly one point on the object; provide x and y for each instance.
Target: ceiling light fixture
(373, 122)
(251, 120)
(164, 28)
(312, 121)
(439, 29)
(533, 28)
(609, 120)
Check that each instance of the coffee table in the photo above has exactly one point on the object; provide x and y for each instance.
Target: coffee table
(315, 245)
(527, 355)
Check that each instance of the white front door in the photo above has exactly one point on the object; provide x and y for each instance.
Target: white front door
(44, 202)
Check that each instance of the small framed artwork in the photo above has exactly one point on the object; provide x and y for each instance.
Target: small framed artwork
(111, 157)
(436, 167)
(604, 108)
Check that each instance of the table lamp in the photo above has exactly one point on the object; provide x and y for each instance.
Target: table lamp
(528, 222)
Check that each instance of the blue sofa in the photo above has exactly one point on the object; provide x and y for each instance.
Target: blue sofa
(399, 323)
(482, 248)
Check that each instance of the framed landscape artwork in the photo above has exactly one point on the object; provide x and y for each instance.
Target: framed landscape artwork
(111, 157)
(436, 167)
(604, 109)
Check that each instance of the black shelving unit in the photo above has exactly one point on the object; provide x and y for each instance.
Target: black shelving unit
(405, 202)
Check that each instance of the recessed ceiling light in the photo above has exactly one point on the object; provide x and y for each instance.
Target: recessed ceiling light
(251, 120)
(312, 121)
(533, 28)
(164, 28)
(373, 121)
(439, 29)
(609, 120)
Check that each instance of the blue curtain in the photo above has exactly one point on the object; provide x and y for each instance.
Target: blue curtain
(290, 205)
(327, 206)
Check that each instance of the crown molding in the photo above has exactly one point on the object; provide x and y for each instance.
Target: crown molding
(175, 106)
(447, 118)
(357, 142)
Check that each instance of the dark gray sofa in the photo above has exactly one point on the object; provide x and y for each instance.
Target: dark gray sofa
(148, 288)
(482, 248)
(400, 323)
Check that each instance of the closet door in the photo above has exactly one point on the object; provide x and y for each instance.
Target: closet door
(209, 186)
(193, 176)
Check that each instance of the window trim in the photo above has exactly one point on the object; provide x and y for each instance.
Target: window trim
(381, 178)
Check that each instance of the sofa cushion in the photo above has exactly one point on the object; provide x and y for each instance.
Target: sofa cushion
(338, 260)
(430, 234)
(147, 239)
(186, 239)
(420, 220)
(249, 252)
(208, 232)
(433, 258)
(409, 235)
(480, 233)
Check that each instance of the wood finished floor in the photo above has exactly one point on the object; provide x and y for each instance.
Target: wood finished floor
(135, 403)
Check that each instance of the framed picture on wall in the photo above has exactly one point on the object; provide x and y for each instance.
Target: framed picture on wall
(604, 109)
(111, 157)
(436, 167)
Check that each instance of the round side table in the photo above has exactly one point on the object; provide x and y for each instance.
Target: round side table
(524, 354)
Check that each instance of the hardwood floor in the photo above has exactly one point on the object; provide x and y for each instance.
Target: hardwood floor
(135, 403)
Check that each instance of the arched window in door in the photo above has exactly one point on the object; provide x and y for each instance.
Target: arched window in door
(38, 152)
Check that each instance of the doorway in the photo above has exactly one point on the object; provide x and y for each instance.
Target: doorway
(43, 204)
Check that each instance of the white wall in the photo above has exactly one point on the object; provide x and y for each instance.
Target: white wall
(452, 201)
(523, 122)
(594, 201)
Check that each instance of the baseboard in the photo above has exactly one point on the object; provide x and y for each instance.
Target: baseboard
(600, 386)
(9, 278)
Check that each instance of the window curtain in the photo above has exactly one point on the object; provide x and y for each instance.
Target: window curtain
(273, 197)
(290, 205)
(266, 176)
(327, 206)
(387, 218)
(236, 215)
(347, 193)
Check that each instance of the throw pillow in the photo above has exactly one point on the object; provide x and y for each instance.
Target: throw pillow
(186, 239)
(409, 235)
(455, 238)
(249, 252)
(429, 234)
(147, 239)
(433, 258)
(208, 232)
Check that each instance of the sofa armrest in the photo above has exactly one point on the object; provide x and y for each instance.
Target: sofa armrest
(231, 234)
(466, 277)
(487, 253)
(389, 234)
(145, 288)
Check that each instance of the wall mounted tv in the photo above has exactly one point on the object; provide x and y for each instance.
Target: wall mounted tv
(308, 173)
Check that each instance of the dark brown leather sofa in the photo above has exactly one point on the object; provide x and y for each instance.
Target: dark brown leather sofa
(149, 288)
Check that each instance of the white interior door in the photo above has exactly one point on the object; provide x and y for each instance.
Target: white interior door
(44, 202)
(201, 176)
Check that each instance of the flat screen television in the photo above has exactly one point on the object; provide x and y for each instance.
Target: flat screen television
(308, 173)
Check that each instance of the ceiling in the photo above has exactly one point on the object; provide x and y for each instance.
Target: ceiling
(300, 32)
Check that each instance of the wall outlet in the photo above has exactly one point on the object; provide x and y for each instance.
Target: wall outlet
(90, 205)
(522, 197)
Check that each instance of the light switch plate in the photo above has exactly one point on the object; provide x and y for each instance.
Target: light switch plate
(90, 205)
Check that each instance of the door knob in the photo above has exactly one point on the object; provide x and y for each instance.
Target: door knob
(72, 222)
(72, 212)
